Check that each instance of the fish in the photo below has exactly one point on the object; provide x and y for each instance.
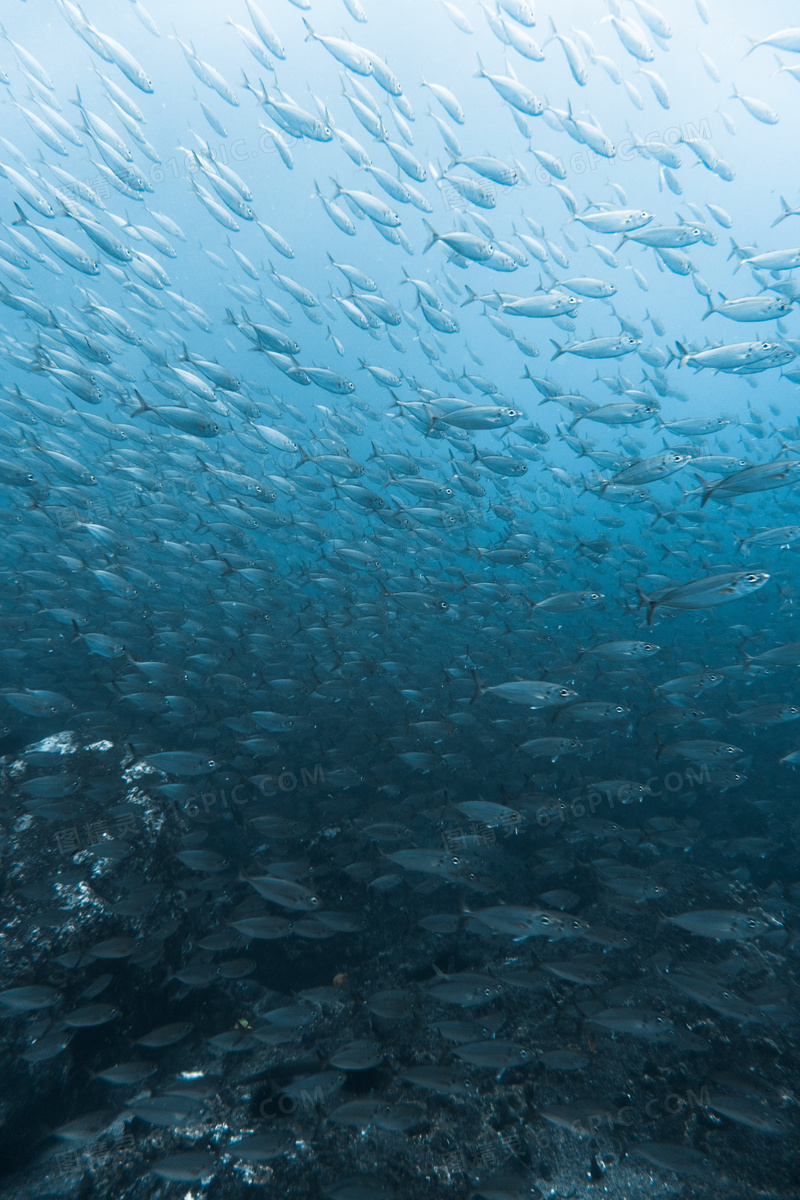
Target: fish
(706, 592)
(721, 924)
(671, 1156)
(441, 1080)
(284, 892)
(530, 692)
(602, 347)
(522, 923)
(751, 1114)
(165, 1035)
(639, 1022)
(372, 745)
(189, 1167)
(30, 998)
(750, 308)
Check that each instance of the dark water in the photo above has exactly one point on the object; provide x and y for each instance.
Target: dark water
(398, 495)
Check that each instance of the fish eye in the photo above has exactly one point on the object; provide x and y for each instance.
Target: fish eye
(565, 693)
(443, 605)
(210, 762)
(487, 991)
(455, 861)
(644, 214)
(753, 578)
(314, 900)
(31, 478)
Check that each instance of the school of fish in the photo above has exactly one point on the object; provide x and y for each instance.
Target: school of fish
(391, 398)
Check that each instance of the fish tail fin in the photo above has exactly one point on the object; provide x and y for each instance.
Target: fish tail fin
(708, 489)
(784, 213)
(466, 913)
(709, 310)
(559, 350)
(21, 218)
(77, 634)
(683, 357)
(479, 688)
(310, 33)
(661, 747)
(472, 296)
(433, 238)
(143, 405)
(432, 419)
(740, 649)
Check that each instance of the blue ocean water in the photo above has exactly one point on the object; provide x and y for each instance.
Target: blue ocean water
(397, 484)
